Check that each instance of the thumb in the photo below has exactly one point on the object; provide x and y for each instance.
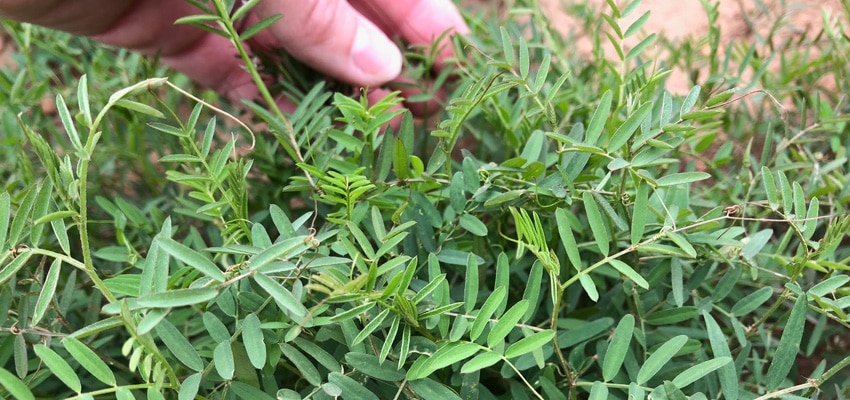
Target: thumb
(334, 38)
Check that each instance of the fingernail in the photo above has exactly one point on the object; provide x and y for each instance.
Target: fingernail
(375, 55)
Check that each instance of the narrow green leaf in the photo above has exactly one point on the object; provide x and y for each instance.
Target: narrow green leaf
(13, 267)
(89, 360)
(352, 312)
(524, 62)
(799, 200)
(279, 250)
(139, 108)
(635, 26)
(487, 310)
(5, 215)
(542, 73)
(530, 343)
(68, 123)
(252, 337)
(597, 223)
(640, 212)
(721, 97)
(829, 285)
(811, 219)
(189, 387)
(177, 297)
(21, 356)
(682, 242)
(371, 366)
(191, 258)
(639, 48)
(47, 291)
(502, 198)
(302, 363)
(470, 287)
(672, 315)
(690, 100)
(720, 347)
(430, 389)
(59, 367)
(681, 178)
(787, 195)
(54, 216)
(390, 339)
(17, 388)
(752, 301)
(351, 388)
(480, 361)
(243, 390)
(532, 288)
(589, 286)
(659, 358)
(789, 345)
(22, 215)
(506, 323)
(259, 26)
(283, 297)
(507, 45)
(472, 224)
(630, 273)
(628, 128)
(223, 359)
(565, 232)
(756, 243)
(598, 391)
(401, 166)
(179, 345)
(600, 116)
(700, 370)
(444, 356)
(618, 347)
(770, 188)
(151, 320)
(428, 289)
(83, 100)
(373, 324)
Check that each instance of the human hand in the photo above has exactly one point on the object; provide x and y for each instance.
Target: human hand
(347, 40)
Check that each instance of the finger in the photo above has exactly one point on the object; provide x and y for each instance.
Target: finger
(334, 38)
(419, 22)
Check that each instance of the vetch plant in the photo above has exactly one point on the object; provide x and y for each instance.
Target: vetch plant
(568, 229)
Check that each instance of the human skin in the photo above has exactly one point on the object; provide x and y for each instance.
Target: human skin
(346, 40)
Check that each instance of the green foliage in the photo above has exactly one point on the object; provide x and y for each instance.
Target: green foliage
(599, 238)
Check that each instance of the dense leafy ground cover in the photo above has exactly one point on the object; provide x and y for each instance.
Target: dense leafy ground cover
(568, 229)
